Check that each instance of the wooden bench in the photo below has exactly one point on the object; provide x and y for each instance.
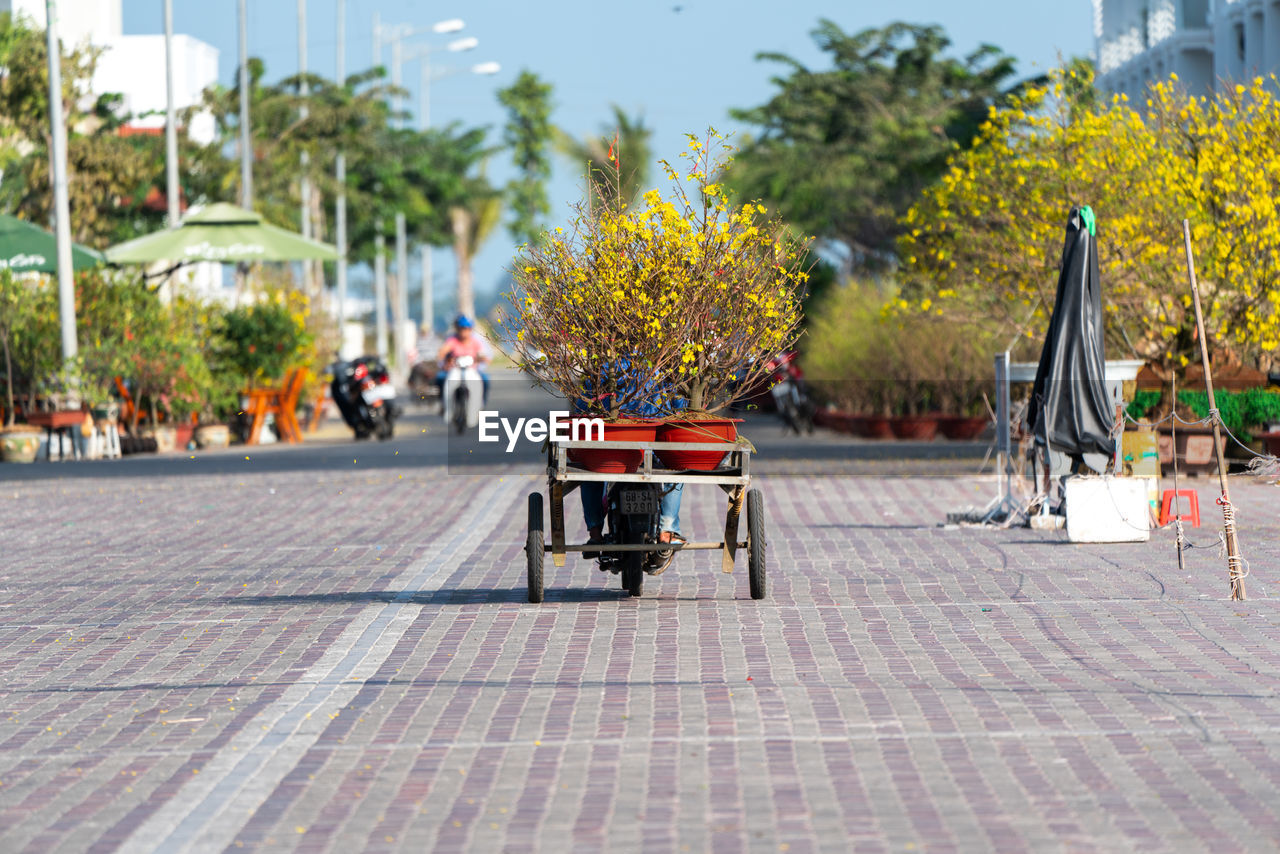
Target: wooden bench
(281, 402)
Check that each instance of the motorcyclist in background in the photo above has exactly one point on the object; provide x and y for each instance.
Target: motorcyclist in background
(465, 341)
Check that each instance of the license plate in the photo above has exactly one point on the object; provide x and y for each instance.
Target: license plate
(639, 502)
(378, 392)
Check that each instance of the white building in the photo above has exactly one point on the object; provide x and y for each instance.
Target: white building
(133, 65)
(1204, 42)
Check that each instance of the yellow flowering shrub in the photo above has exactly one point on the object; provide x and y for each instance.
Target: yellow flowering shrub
(986, 241)
(679, 299)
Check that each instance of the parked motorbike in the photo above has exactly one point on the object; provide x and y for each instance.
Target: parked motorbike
(463, 394)
(363, 392)
(422, 383)
(790, 394)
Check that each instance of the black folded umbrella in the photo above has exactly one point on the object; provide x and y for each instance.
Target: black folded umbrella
(1070, 407)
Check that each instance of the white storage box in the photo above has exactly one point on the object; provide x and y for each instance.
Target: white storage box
(1107, 510)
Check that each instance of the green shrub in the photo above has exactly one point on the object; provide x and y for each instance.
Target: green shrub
(263, 340)
(1142, 403)
(865, 356)
(1240, 411)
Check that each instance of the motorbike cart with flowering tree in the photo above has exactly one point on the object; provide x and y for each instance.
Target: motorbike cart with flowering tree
(650, 320)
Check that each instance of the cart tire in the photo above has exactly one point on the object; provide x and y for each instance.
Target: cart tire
(755, 543)
(535, 547)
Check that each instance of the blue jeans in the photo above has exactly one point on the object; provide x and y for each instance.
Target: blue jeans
(668, 508)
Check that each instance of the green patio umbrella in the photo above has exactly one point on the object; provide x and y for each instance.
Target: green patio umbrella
(225, 233)
(28, 248)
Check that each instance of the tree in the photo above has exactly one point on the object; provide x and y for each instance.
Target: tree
(108, 176)
(617, 164)
(528, 134)
(985, 243)
(351, 117)
(473, 219)
(843, 153)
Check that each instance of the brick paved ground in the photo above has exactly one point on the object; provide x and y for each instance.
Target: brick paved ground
(338, 658)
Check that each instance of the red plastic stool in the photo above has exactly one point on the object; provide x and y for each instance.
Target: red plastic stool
(1166, 505)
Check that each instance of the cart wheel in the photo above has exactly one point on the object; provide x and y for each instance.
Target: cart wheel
(535, 547)
(755, 543)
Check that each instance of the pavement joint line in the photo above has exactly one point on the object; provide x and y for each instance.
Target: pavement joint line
(761, 738)
(235, 782)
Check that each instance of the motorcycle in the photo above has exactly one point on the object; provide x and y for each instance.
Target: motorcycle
(422, 383)
(790, 395)
(632, 516)
(463, 394)
(366, 398)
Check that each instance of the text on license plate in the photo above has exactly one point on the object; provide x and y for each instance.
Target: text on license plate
(639, 501)
(379, 392)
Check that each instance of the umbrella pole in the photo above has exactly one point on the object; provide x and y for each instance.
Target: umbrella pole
(1235, 563)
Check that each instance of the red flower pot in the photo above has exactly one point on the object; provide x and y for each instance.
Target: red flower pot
(876, 427)
(183, 433)
(611, 460)
(920, 428)
(709, 430)
(961, 426)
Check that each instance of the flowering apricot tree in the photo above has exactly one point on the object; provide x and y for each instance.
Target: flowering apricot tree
(678, 301)
(985, 242)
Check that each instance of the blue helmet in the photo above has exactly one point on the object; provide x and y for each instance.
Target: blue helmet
(464, 322)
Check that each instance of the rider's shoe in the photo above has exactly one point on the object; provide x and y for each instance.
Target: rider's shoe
(659, 561)
(593, 541)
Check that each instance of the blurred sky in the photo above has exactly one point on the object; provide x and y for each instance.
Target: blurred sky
(682, 64)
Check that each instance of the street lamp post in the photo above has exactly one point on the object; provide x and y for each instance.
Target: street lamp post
(304, 187)
(61, 204)
(430, 73)
(340, 175)
(380, 293)
(246, 144)
(401, 313)
(396, 34)
(170, 124)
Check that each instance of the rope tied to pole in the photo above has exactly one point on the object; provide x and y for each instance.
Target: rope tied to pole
(1237, 566)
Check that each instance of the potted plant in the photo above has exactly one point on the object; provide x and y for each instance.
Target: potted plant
(667, 310)
(23, 323)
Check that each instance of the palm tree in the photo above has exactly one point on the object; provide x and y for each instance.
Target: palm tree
(618, 163)
(473, 219)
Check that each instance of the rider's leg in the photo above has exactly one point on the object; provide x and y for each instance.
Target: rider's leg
(593, 508)
(593, 514)
(669, 513)
(440, 375)
(669, 529)
(484, 378)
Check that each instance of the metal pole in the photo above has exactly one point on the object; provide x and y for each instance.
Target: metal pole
(428, 291)
(424, 94)
(380, 294)
(1235, 563)
(401, 314)
(340, 173)
(304, 91)
(171, 127)
(397, 62)
(61, 204)
(246, 142)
